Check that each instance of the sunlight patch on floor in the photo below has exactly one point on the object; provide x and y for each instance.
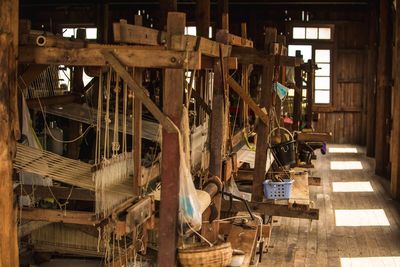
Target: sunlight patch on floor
(342, 150)
(370, 262)
(364, 217)
(346, 165)
(352, 187)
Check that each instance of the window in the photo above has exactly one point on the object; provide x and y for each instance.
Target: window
(191, 30)
(312, 33)
(322, 76)
(91, 33)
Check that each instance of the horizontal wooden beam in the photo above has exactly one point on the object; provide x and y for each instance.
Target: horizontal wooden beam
(205, 46)
(75, 217)
(262, 114)
(139, 92)
(129, 56)
(50, 100)
(247, 55)
(228, 38)
(136, 34)
(55, 191)
(271, 209)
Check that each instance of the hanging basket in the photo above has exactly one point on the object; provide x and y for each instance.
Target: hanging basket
(216, 256)
(284, 152)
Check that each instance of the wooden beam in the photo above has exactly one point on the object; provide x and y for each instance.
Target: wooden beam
(170, 165)
(203, 45)
(130, 56)
(8, 103)
(310, 95)
(50, 100)
(165, 7)
(395, 135)
(140, 93)
(372, 71)
(203, 18)
(246, 55)
(244, 239)
(137, 34)
(271, 209)
(41, 192)
(234, 40)
(74, 217)
(383, 91)
(262, 128)
(222, 14)
(261, 113)
(298, 95)
(137, 134)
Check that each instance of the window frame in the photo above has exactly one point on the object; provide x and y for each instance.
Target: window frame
(316, 45)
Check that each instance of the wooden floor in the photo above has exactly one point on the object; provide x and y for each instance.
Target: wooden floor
(296, 242)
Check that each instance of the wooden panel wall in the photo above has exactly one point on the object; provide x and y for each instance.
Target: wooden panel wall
(346, 117)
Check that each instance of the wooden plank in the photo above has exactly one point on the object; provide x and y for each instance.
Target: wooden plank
(170, 175)
(234, 40)
(140, 93)
(130, 56)
(137, 34)
(74, 217)
(244, 239)
(312, 180)
(261, 113)
(314, 137)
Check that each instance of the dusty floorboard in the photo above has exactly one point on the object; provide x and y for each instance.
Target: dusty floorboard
(296, 242)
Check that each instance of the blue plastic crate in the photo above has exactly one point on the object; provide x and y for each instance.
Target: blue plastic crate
(278, 190)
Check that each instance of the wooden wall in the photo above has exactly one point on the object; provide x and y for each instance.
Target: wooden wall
(346, 117)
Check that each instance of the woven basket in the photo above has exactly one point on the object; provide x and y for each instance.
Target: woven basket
(216, 256)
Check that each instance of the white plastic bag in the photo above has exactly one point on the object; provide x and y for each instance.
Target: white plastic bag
(189, 206)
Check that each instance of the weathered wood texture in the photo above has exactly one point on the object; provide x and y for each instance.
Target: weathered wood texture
(173, 100)
(395, 134)
(203, 17)
(262, 128)
(297, 242)
(346, 116)
(8, 102)
(383, 89)
(371, 79)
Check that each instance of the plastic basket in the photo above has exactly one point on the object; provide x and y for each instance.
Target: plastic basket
(278, 190)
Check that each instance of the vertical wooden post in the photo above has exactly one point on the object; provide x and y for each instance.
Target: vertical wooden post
(137, 120)
(383, 88)
(395, 135)
(166, 6)
(222, 15)
(372, 70)
(137, 138)
(8, 88)
(173, 101)
(262, 129)
(203, 18)
(310, 93)
(298, 95)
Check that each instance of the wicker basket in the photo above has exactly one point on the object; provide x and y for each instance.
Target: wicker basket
(216, 256)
